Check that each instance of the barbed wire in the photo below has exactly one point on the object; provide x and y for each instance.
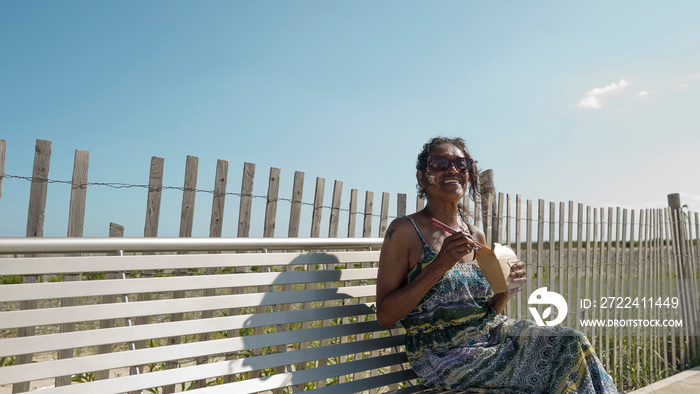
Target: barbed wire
(586, 222)
(118, 185)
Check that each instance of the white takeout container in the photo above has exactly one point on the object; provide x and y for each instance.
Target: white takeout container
(495, 264)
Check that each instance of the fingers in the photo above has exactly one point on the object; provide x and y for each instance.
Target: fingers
(462, 238)
(456, 246)
(519, 266)
(517, 272)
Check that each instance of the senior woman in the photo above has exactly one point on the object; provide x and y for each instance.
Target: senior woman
(456, 335)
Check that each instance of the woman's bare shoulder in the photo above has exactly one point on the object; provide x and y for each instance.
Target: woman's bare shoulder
(399, 227)
(479, 234)
(402, 245)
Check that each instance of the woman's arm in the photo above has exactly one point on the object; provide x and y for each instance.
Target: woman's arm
(401, 246)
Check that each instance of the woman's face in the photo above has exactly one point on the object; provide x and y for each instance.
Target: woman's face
(449, 184)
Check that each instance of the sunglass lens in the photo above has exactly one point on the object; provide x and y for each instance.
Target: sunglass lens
(461, 165)
(440, 163)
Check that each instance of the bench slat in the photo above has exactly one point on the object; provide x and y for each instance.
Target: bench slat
(180, 244)
(48, 369)
(371, 382)
(419, 388)
(310, 375)
(79, 339)
(318, 353)
(222, 368)
(49, 316)
(39, 291)
(55, 265)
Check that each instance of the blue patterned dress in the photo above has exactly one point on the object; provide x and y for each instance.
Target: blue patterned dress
(455, 340)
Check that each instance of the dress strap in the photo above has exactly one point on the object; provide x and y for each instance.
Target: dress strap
(471, 229)
(418, 231)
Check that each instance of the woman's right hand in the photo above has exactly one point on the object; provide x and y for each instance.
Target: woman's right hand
(454, 248)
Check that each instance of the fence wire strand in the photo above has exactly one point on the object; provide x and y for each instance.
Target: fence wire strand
(117, 185)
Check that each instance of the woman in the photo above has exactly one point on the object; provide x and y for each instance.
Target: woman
(456, 337)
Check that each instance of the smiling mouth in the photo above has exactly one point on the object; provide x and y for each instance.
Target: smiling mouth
(451, 181)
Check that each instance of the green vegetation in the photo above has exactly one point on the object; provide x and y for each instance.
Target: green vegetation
(83, 377)
(6, 361)
(10, 280)
(630, 369)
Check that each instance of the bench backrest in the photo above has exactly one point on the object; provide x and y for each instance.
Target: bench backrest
(240, 322)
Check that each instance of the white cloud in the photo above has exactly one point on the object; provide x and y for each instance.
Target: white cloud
(687, 81)
(592, 99)
(643, 93)
(590, 102)
(607, 89)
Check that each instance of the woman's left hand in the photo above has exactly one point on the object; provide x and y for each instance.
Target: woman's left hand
(517, 274)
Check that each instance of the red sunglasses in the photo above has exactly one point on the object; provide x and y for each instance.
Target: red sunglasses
(442, 163)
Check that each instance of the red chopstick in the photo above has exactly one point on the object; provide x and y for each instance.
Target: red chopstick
(450, 230)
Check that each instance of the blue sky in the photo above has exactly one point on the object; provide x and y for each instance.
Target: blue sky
(594, 102)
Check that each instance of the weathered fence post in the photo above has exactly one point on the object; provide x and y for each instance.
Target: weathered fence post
(488, 196)
(246, 200)
(115, 230)
(216, 224)
(383, 214)
(76, 220)
(155, 185)
(335, 210)
(681, 248)
(677, 228)
(188, 196)
(37, 193)
(273, 188)
(318, 208)
(35, 228)
(186, 224)
(400, 205)
(243, 231)
(367, 222)
(78, 194)
(150, 229)
(295, 211)
(352, 215)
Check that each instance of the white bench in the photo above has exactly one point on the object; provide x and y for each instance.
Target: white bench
(215, 315)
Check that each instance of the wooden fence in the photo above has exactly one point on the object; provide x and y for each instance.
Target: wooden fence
(617, 266)
(361, 218)
(642, 264)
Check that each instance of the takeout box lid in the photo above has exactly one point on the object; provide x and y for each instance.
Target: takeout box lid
(495, 264)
